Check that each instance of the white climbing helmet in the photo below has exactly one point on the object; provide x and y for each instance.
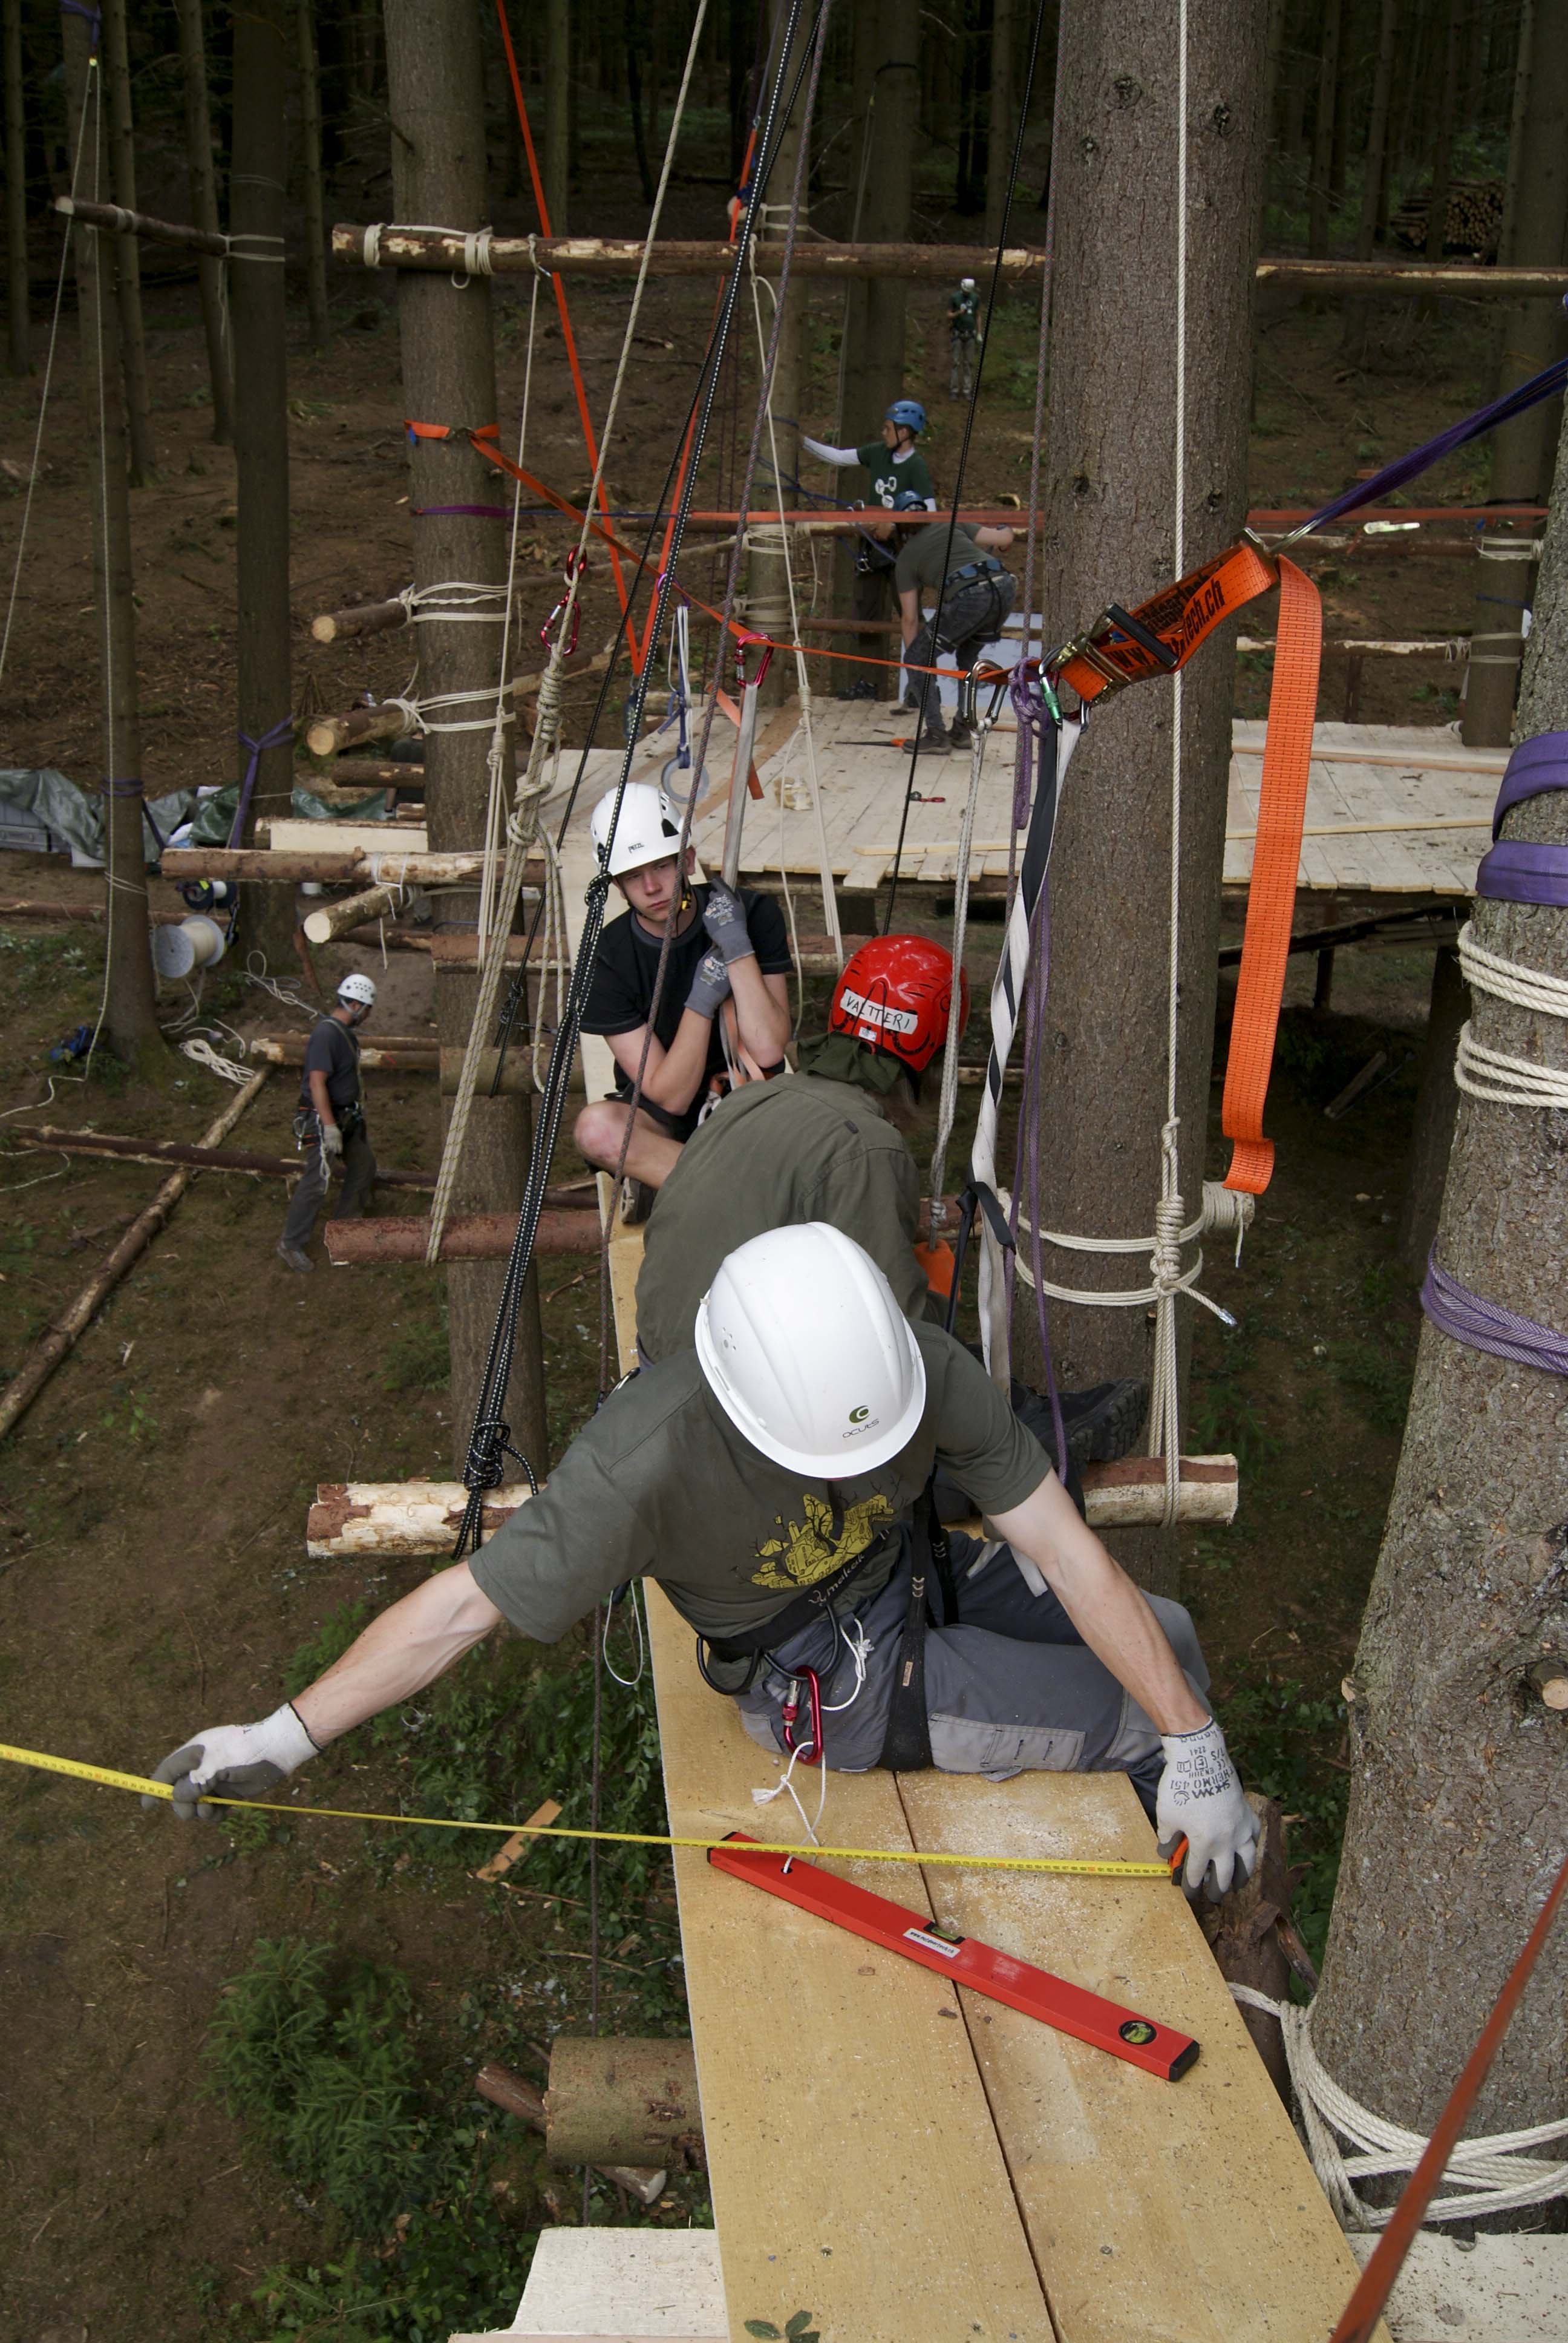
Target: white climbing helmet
(360, 989)
(808, 1355)
(647, 831)
(966, 285)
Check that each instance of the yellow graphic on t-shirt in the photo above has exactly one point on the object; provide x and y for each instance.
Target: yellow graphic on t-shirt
(809, 1550)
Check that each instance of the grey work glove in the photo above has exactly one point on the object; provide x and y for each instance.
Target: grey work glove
(710, 985)
(1201, 1797)
(331, 1141)
(724, 917)
(233, 1761)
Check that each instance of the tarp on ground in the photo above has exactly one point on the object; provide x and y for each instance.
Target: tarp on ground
(42, 811)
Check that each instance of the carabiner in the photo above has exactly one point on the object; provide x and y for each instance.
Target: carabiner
(810, 1752)
(576, 567)
(742, 646)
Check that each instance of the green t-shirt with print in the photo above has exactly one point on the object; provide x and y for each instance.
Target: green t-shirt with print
(660, 1485)
(890, 480)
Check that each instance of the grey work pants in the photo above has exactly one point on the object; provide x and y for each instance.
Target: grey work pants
(1011, 1685)
(358, 1179)
(970, 614)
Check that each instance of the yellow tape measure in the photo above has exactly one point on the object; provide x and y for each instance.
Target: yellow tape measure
(1074, 1866)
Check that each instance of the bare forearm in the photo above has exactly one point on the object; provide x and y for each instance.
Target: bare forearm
(318, 1098)
(1103, 1604)
(761, 1020)
(407, 1648)
(679, 1076)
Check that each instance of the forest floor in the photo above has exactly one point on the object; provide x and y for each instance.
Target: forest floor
(152, 1572)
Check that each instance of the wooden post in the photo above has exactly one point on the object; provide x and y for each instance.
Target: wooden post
(261, 49)
(437, 98)
(1110, 521)
(768, 585)
(557, 124)
(314, 193)
(18, 355)
(126, 252)
(613, 2099)
(1459, 1777)
(1323, 129)
(204, 215)
(1532, 336)
(130, 1025)
(1004, 129)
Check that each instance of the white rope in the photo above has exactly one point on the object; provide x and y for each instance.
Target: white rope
(529, 787)
(1223, 1210)
(417, 718)
(202, 1053)
(478, 257)
(1510, 980)
(1495, 2172)
(1492, 1074)
(425, 604)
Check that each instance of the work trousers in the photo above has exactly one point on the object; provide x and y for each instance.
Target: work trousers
(358, 1179)
(969, 616)
(1011, 1685)
(961, 378)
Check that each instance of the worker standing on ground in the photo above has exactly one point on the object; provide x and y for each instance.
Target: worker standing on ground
(330, 1124)
(771, 1480)
(964, 338)
(828, 1144)
(723, 1014)
(899, 481)
(973, 594)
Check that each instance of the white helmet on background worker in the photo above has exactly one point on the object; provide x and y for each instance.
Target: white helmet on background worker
(808, 1355)
(358, 990)
(966, 285)
(648, 829)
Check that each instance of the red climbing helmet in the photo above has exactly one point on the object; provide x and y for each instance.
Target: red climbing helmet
(896, 993)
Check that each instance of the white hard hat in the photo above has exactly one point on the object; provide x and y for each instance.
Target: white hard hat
(808, 1355)
(966, 285)
(647, 831)
(359, 988)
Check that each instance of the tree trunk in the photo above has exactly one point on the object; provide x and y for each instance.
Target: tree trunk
(634, 57)
(1323, 130)
(557, 113)
(1442, 140)
(315, 191)
(436, 86)
(204, 215)
(1003, 128)
(1459, 1784)
(127, 251)
(1360, 315)
(768, 584)
(130, 1025)
(263, 663)
(1110, 528)
(1532, 336)
(887, 83)
(1436, 1105)
(18, 355)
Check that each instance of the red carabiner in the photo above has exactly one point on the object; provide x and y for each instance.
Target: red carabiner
(810, 1754)
(742, 646)
(575, 566)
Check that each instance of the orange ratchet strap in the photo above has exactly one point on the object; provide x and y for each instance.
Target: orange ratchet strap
(1272, 895)
(1160, 635)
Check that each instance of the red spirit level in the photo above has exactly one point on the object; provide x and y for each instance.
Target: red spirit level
(1142, 2041)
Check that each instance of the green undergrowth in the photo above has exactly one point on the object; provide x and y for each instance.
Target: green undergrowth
(1289, 1745)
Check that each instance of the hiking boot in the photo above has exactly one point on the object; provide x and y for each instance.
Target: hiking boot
(859, 690)
(960, 734)
(936, 744)
(635, 1202)
(1104, 1421)
(292, 1257)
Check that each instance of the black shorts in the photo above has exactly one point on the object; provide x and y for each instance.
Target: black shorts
(678, 1127)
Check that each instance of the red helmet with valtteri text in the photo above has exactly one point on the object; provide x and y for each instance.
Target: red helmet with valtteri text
(896, 993)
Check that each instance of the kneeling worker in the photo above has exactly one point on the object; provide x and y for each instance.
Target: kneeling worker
(723, 1015)
(330, 1124)
(828, 1145)
(973, 596)
(771, 1480)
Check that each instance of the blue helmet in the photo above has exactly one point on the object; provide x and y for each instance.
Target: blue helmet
(907, 502)
(908, 412)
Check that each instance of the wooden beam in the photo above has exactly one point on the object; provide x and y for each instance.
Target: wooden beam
(111, 1148)
(1416, 276)
(289, 866)
(129, 223)
(504, 2089)
(330, 920)
(623, 2101)
(480, 1236)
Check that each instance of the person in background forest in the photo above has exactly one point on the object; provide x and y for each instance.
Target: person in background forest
(963, 335)
(973, 595)
(772, 1479)
(330, 1123)
(900, 481)
(723, 1015)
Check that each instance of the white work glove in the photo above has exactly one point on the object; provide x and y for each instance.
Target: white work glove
(710, 985)
(724, 917)
(234, 1761)
(1200, 1798)
(331, 1141)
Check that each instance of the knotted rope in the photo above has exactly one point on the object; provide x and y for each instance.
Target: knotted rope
(1496, 2173)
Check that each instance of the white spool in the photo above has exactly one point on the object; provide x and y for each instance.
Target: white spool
(196, 942)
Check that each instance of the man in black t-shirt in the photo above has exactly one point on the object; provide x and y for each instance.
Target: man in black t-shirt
(723, 1015)
(330, 1124)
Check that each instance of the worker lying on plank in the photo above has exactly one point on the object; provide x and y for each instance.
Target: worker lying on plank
(330, 1124)
(899, 481)
(773, 1479)
(957, 567)
(828, 1145)
(723, 1013)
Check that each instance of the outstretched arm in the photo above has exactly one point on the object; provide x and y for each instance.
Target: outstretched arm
(825, 455)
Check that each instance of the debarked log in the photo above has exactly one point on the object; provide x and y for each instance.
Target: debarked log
(613, 2100)
(481, 1236)
(340, 867)
(504, 2089)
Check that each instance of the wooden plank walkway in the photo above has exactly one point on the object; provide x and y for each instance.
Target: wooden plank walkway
(899, 2159)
